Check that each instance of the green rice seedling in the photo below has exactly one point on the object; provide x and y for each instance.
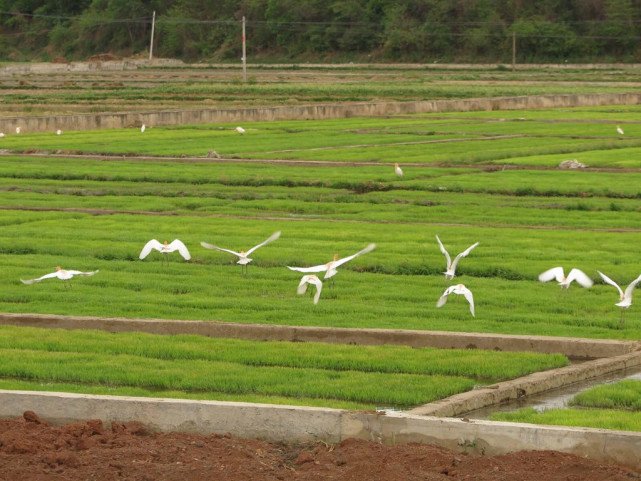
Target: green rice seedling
(590, 418)
(619, 395)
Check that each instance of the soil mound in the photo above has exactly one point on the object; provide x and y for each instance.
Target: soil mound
(31, 449)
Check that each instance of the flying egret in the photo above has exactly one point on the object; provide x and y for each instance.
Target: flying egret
(18, 129)
(243, 257)
(620, 130)
(331, 266)
(310, 279)
(240, 130)
(450, 271)
(142, 129)
(58, 132)
(459, 289)
(62, 274)
(165, 248)
(625, 298)
(398, 171)
(575, 275)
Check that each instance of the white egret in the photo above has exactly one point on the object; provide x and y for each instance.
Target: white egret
(243, 257)
(398, 171)
(625, 298)
(62, 274)
(330, 267)
(310, 279)
(1, 134)
(142, 129)
(575, 275)
(165, 248)
(18, 129)
(620, 130)
(459, 289)
(58, 132)
(240, 130)
(450, 270)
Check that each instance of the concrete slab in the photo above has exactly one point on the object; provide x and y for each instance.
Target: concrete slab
(299, 424)
(571, 347)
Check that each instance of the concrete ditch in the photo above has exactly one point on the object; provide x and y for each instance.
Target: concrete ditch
(579, 349)
(116, 120)
(534, 383)
(299, 424)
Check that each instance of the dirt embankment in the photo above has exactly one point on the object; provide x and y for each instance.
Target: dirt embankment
(31, 449)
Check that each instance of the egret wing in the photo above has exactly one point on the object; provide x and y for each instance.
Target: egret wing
(46, 276)
(319, 287)
(212, 246)
(554, 273)
(271, 238)
(152, 244)
(581, 277)
(631, 286)
(302, 285)
(443, 299)
(80, 273)
(470, 298)
(463, 254)
(321, 268)
(178, 245)
(611, 282)
(448, 259)
(342, 261)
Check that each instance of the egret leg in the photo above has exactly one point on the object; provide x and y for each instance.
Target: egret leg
(622, 321)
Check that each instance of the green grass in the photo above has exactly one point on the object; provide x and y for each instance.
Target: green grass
(204, 368)
(591, 418)
(620, 395)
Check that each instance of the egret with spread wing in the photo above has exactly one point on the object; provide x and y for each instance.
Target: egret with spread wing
(574, 275)
(450, 270)
(625, 297)
(307, 280)
(165, 248)
(243, 257)
(62, 274)
(330, 267)
(459, 289)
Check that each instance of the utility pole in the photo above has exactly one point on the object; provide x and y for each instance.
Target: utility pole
(244, 53)
(151, 42)
(513, 51)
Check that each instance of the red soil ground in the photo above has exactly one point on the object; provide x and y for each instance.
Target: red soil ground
(31, 449)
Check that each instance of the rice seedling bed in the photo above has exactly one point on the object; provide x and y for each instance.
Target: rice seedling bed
(280, 372)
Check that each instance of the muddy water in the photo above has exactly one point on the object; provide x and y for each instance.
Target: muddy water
(556, 398)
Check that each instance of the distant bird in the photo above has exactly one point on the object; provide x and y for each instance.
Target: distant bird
(620, 130)
(18, 130)
(457, 289)
(310, 279)
(1, 134)
(398, 171)
(142, 129)
(165, 248)
(62, 274)
(450, 270)
(58, 132)
(243, 257)
(575, 275)
(240, 130)
(625, 298)
(330, 267)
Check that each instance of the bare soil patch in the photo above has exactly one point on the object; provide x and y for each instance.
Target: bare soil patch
(31, 449)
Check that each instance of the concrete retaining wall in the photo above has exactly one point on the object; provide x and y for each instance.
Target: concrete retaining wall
(297, 424)
(318, 111)
(571, 347)
(527, 385)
